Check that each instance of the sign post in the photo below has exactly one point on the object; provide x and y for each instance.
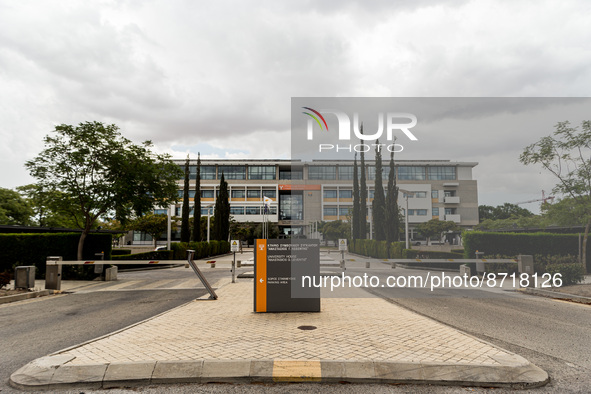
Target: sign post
(285, 271)
(234, 247)
(343, 249)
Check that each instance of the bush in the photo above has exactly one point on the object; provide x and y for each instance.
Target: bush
(419, 254)
(513, 244)
(202, 249)
(117, 252)
(33, 249)
(571, 273)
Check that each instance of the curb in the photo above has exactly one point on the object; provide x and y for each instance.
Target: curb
(556, 295)
(54, 372)
(25, 296)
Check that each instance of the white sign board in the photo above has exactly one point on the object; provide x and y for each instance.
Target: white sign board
(234, 245)
(343, 244)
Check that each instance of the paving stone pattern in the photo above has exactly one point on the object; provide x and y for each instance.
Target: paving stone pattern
(351, 329)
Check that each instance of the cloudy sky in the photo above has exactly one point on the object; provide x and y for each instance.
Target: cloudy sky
(218, 77)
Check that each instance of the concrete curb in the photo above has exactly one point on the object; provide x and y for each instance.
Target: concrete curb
(557, 295)
(25, 296)
(55, 372)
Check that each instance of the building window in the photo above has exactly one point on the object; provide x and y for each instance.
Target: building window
(330, 193)
(232, 172)
(261, 172)
(421, 194)
(160, 211)
(442, 173)
(253, 194)
(411, 173)
(236, 210)
(411, 212)
(371, 194)
(270, 193)
(204, 211)
(345, 194)
(346, 173)
(371, 172)
(291, 174)
(253, 210)
(330, 211)
(435, 211)
(421, 212)
(191, 193)
(270, 210)
(450, 211)
(322, 173)
(291, 207)
(207, 193)
(449, 193)
(345, 211)
(238, 193)
(434, 193)
(207, 172)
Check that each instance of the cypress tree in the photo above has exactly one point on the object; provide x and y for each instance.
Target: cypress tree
(379, 203)
(355, 216)
(392, 216)
(362, 197)
(222, 212)
(185, 230)
(196, 235)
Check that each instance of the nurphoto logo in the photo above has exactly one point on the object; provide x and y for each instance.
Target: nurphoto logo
(395, 121)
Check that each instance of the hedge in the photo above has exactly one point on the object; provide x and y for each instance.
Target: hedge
(153, 256)
(421, 254)
(513, 244)
(117, 252)
(376, 249)
(202, 249)
(33, 249)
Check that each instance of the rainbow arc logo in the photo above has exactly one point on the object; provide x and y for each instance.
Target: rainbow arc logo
(316, 118)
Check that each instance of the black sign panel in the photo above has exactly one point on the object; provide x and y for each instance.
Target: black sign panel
(280, 267)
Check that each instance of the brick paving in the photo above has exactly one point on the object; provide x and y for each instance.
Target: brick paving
(348, 329)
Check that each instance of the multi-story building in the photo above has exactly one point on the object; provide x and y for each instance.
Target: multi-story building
(304, 193)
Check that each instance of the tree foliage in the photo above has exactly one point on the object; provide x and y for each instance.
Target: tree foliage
(379, 200)
(185, 229)
(196, 234)
(436, 228)
(505, 211)
(99, 172)
(392, 209)
(567, 155)
(154, 225)
(13, 208)
(51, 208)
(335, 230)
(222, 212)
(356, 202)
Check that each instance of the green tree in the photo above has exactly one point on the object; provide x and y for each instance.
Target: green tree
(335, 230)
(355, 214)
(567, 155)
(436, 228)
(379, 200)
(222, 212)
(50, 207)
(392, 209)
(185, 229)
(362, 196)
(565, 212)
(13, 208)
(154, 225)
(485, 212)
(99, 172)
(196, 234)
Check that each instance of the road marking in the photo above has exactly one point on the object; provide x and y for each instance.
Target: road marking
(31, 300)
(297, 371)
(187, 283)
(156, 284)
(120, 285)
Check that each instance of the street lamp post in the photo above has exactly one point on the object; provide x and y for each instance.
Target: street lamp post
(406, 195)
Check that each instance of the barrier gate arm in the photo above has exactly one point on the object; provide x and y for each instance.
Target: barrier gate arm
(212, 294)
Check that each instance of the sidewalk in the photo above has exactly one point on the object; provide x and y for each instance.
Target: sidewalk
(353, 339)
